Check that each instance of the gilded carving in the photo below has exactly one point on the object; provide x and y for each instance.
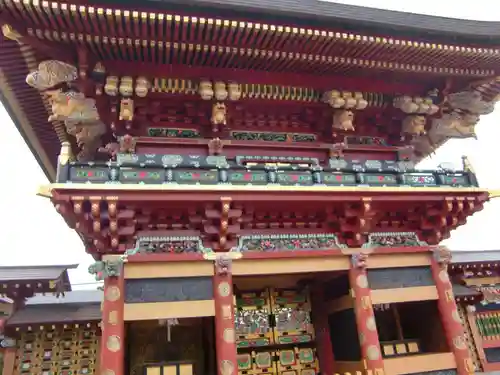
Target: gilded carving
(126, 110)
(414, 125)
(456, 316)
(219, 112)
(113, 317)
(113, 293)
(343, 120)
(227, 312)
(229, 335)
(142, 86)
(224, 289)
(205, 90)
(10, 33)
(366, 302)
(113, 343)
(373, 353)
(226, 367)
(443, 276)
(459, 342)
(370, 323)
(362, 281)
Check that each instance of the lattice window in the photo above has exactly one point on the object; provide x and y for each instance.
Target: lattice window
(69, 349)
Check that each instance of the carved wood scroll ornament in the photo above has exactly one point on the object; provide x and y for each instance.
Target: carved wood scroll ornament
(223, 265)
(359, 260)
(442, 255)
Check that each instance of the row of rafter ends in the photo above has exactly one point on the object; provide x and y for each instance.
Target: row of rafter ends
(277, 56)
(47, 9)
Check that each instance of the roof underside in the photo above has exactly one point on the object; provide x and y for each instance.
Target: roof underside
(323, 13)
(464, 257)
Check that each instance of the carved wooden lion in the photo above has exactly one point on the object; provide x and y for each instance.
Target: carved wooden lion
(219, 114)
(414, 125)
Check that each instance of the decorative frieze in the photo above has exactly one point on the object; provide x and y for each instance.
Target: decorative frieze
(393, 239)
(296, 171)
(289, 242)
(241, 135)
(168, 245)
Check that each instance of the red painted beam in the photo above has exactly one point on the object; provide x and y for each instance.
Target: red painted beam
(327, 82)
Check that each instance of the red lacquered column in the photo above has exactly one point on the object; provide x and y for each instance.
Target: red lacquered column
(324, 346)
(225, 338)
(452, 323)
(365, 318)
(113, 326)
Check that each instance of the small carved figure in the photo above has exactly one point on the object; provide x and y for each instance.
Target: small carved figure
(234, 90)
(220, 91)
(218, 114)
(205, 90)
(343, 120)
(111, 149)
(88, 137)
(414, 125)
(337, 150)
(126, 110)
(359, 260)
(72, 107)
(127, 144)
(141, 87)
(126, 86)
(105, 269)
(215, 146)
(111, 86)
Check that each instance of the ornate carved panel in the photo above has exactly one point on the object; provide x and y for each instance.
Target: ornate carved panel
(400, 277)
(168, 290)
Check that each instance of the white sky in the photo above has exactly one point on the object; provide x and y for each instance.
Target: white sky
(32, 232)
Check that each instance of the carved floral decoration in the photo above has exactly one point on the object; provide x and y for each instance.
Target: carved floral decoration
(78, 113)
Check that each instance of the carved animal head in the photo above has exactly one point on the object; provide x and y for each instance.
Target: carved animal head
(343, 120)
(414, 125)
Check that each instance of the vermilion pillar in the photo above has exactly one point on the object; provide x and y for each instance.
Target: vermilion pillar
(225, 338)
(452, 323)
(113, 326)
(365, 318)
(322, 330)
